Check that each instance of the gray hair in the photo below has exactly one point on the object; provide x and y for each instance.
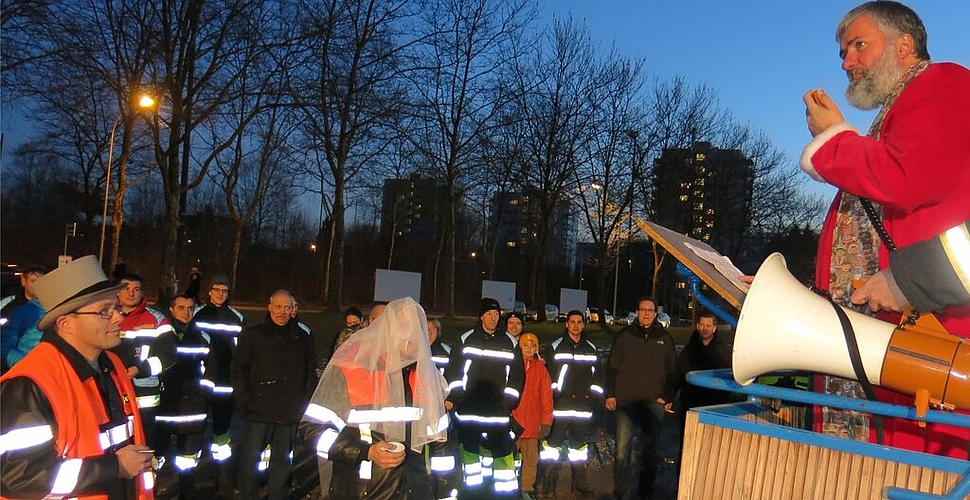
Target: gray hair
(893, 19)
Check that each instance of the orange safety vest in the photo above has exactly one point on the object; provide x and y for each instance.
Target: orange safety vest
(78, 407)
(361, 386)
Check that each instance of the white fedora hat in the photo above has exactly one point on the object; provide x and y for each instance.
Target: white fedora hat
(71, 287)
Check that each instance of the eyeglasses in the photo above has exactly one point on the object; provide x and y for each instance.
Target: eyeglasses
(219, 290)
(103, 314)
(645, 310)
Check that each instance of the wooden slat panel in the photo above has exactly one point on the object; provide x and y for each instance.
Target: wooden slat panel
(725, 463)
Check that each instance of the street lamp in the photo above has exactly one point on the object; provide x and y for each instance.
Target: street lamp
(144, 102)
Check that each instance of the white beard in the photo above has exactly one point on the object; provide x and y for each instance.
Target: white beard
(877, 82)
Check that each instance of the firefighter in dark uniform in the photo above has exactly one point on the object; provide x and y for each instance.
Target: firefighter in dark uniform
(222, 323)
(184, 406)
(486, 376)
(576, 390)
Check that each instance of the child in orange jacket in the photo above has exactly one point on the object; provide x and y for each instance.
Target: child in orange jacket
(534, 413)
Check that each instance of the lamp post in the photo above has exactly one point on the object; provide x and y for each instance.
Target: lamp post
(145, 101)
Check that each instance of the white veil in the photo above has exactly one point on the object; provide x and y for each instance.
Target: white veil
(371, 361)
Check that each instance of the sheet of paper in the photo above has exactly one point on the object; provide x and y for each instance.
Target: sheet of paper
(722, 264)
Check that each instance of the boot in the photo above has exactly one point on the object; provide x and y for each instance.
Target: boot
(580, 485)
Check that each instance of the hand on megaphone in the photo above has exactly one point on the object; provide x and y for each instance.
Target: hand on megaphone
(881, 292)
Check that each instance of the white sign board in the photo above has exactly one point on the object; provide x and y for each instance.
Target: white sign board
(571, 298)
(502, 291)
(390, 285)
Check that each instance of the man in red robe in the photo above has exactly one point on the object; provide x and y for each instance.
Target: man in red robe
(914, 164)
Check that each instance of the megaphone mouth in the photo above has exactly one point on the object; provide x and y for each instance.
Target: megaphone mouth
(785, 326)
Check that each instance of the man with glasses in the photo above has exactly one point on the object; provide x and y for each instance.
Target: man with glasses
(222, 323)
(641, 377)
(70, 426)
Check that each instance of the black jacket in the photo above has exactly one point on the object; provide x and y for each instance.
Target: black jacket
(573, 365)
(697, 356)
(187, 348)
(642, 365)
(274, 372)
(223, 325)
(491, 383)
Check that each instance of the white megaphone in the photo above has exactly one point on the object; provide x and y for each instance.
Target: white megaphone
(784, 326)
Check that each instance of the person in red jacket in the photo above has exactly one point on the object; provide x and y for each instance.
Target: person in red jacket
(534, 413)
(912, 169)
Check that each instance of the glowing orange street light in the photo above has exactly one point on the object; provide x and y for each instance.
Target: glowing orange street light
(144, 102)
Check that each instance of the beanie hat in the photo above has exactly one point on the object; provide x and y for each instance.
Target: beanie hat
(516, 314)
(525, 337)
(220, 279)
(488, 304)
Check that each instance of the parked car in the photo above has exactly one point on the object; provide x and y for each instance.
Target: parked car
(630, 318)
(626, 318)
(517, 306)
(532, 313)
(552, 313)
(593, 315)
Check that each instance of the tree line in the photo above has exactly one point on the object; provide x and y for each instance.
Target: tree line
(263, 104)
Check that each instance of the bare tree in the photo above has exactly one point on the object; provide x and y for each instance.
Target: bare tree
(201, 50)
(455, 96)
(558, 88)
(349, 91)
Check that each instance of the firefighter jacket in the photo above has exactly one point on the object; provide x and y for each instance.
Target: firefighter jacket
(223, 325)
(185, 401)
(440, 353)
(485, 375)
(61, 423)
(575, 379)
(139, 329)
(274, 372)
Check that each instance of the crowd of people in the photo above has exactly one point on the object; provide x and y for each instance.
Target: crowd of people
(116, 398)
(104, 397)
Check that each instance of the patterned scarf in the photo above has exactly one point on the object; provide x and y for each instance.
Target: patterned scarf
(855, 255)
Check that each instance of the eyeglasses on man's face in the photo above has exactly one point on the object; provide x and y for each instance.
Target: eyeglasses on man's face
(646, 310)
(106, 313)
(222, 290)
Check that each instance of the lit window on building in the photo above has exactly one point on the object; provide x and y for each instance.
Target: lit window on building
(510, 244)
(683, 197)
(700, 157)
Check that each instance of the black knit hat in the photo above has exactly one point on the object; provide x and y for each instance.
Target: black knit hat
(516, 314)
(487, 305)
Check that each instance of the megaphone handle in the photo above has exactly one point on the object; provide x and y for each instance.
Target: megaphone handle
(852, 345)
(922, 403)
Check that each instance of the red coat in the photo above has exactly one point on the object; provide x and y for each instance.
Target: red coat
(535, 405)
(919, 170)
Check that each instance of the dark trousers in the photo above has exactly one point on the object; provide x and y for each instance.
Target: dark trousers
(643, 418)
(255, 437)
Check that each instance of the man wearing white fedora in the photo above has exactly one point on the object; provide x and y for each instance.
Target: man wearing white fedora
(70, 426)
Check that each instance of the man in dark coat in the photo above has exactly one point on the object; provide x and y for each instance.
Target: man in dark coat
(273, 375)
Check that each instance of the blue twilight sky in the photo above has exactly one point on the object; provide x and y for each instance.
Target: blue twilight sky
(759, 55)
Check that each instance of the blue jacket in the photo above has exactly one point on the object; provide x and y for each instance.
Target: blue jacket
(20, 334)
